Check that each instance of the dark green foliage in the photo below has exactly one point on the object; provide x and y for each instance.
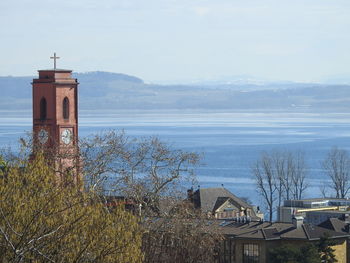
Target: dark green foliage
(284, 253)
(326, 251)
(292, 254)
(309, 253)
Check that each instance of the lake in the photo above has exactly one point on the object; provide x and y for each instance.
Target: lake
(230, 141)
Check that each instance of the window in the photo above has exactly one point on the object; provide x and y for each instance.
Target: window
(250, 253)
(43, 108)
(66, 108)
(227, 251)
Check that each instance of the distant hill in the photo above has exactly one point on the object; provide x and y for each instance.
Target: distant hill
(104, 90)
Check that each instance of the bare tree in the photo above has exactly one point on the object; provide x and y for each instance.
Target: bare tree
(337, 167)
(151, 173)
(144, 170)
(297, 171)
(278, 164)
(265, 178)
(181, 236)
(324, 187)
(292, 172)
(141, 169)
(102, 156)
(280, 175)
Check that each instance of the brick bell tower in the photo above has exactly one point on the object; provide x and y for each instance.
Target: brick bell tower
(55, 113)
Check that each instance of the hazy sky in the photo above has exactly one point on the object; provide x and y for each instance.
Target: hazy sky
(178, 40)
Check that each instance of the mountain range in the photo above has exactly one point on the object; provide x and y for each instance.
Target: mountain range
(115, 91)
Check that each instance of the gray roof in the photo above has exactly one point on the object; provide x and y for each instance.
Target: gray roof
(57, 69)
(255, 230)
(273, 231)
(209, 197)
(219, 202)
(335, 224)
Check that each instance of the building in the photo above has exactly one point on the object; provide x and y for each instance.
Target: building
(317, 217)
(55, 119)
(313, 210)
(339, 225)
(220, 203)
(250, 241)
(247, 241)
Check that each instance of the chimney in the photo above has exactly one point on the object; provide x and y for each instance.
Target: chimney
(297, 221)
(346, 218)
(190, 194)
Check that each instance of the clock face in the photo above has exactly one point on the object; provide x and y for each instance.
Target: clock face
(43, 135)
(66, 136)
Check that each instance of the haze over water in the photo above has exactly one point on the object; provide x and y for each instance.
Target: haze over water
(229, 141)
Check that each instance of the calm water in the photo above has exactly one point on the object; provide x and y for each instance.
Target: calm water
(230, 142)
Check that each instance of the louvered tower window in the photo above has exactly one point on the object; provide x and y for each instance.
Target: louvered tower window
(43, 109)
(66, 108)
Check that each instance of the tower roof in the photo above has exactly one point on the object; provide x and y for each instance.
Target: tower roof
(58, 76)
(57, 70)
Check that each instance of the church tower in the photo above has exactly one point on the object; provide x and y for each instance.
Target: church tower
(55, 112)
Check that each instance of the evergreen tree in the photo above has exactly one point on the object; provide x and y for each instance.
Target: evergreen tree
(308, 254)
(326, 250)
(284, 253)
(293, 254)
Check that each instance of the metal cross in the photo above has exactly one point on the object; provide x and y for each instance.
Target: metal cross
(54, 59)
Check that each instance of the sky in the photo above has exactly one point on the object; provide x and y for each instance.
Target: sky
(179, 40)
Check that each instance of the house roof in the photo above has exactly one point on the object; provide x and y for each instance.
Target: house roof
(273, 231)
(335, 224)
(270, 233)
(219, 202)
(211, 198)
(253, 230)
